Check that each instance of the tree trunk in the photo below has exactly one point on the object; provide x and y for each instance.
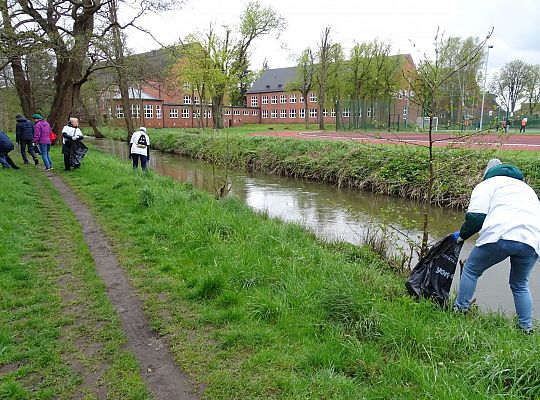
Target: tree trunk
(217, 109)
(22, 85)
(26, 97)
(306, 116)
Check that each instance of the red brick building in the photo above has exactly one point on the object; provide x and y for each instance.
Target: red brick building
(156, 105)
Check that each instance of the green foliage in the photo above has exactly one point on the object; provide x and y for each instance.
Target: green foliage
(146, 196)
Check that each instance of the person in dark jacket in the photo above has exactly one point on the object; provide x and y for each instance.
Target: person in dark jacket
(24, 135)
(6, 145)
(72, 148)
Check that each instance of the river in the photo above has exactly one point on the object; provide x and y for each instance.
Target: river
(336, 214)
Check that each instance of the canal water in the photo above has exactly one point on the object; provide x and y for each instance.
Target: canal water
(337, 214)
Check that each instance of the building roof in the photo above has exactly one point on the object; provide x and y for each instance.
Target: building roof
(273, 80)
(136, 94)
(276, 80)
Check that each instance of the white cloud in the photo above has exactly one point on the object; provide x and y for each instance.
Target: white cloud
(410, 25)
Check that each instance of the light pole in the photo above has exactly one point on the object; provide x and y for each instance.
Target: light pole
(484, 88)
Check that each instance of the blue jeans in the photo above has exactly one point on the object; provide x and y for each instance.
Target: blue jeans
(136, 157)
(44, 149)
(3, 160)
(522, 260)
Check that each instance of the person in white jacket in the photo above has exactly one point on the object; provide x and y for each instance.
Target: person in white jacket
(140, 148)
(71, 134)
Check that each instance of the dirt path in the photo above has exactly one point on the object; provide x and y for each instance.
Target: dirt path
(158, 369)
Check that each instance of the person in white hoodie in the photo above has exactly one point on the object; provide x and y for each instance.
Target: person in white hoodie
(140, 148)
(72, 149)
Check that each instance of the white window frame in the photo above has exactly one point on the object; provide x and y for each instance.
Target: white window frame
(368, 112)
(135, 110)
(254, 112)
(158, 110)
(292, 113)
(196, 100)
(187, 99)
(254, 101)
(302, 113)
(227, 111)
(282, 113)
(312, 113)
(273, 99)
(283, 99)
(119, 111)
(325, 112)
(173, 113)
(245, 112)
(346, 113)
(236, 112)
(185, 113)
(273, 115)
(264, 99)
(292, 98)
(312, 97)
(405, 112)
(264, 114)
(148, 111)
(333, 112)
(301, 98)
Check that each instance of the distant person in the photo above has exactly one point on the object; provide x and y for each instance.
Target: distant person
(72, 148)
(508, 125)
(42, 137)
(6, 145)
(506, 212)
(24, 136)
(523, 125)
(140, 148)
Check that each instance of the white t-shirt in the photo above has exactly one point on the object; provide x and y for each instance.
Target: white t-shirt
(512, 211)
(137, 147)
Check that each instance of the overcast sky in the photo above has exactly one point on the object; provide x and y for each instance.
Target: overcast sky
(409, 25)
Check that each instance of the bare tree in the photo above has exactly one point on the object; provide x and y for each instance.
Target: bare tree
(327, 64)
(428, 87)
(532, 87)
(304, 79)
(509, 83)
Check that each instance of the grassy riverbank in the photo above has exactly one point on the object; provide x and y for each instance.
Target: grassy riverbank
(390, 170)
(256, 308)
(59, 337)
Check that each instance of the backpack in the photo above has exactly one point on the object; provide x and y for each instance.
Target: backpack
(142, 141)
(53, 136)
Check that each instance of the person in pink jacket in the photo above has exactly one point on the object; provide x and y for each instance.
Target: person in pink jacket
(42, 137)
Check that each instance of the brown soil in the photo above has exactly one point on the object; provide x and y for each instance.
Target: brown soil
(158, 369)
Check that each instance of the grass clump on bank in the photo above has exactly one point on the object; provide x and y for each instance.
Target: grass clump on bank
(257, 308)
(59, 336)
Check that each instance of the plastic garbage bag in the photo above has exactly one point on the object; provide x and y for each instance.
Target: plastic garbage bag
(432, 277)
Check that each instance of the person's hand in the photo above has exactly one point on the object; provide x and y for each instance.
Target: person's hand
(456, 237)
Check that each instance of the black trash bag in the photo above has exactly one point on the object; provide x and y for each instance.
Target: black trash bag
(432, 277)
(77, 152)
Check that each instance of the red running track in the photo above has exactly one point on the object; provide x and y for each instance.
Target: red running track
(503, 141)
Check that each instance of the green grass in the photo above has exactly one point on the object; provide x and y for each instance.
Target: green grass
(259, 309)
(55, 319)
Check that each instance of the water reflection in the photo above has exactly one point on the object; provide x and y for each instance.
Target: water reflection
(334, 213)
